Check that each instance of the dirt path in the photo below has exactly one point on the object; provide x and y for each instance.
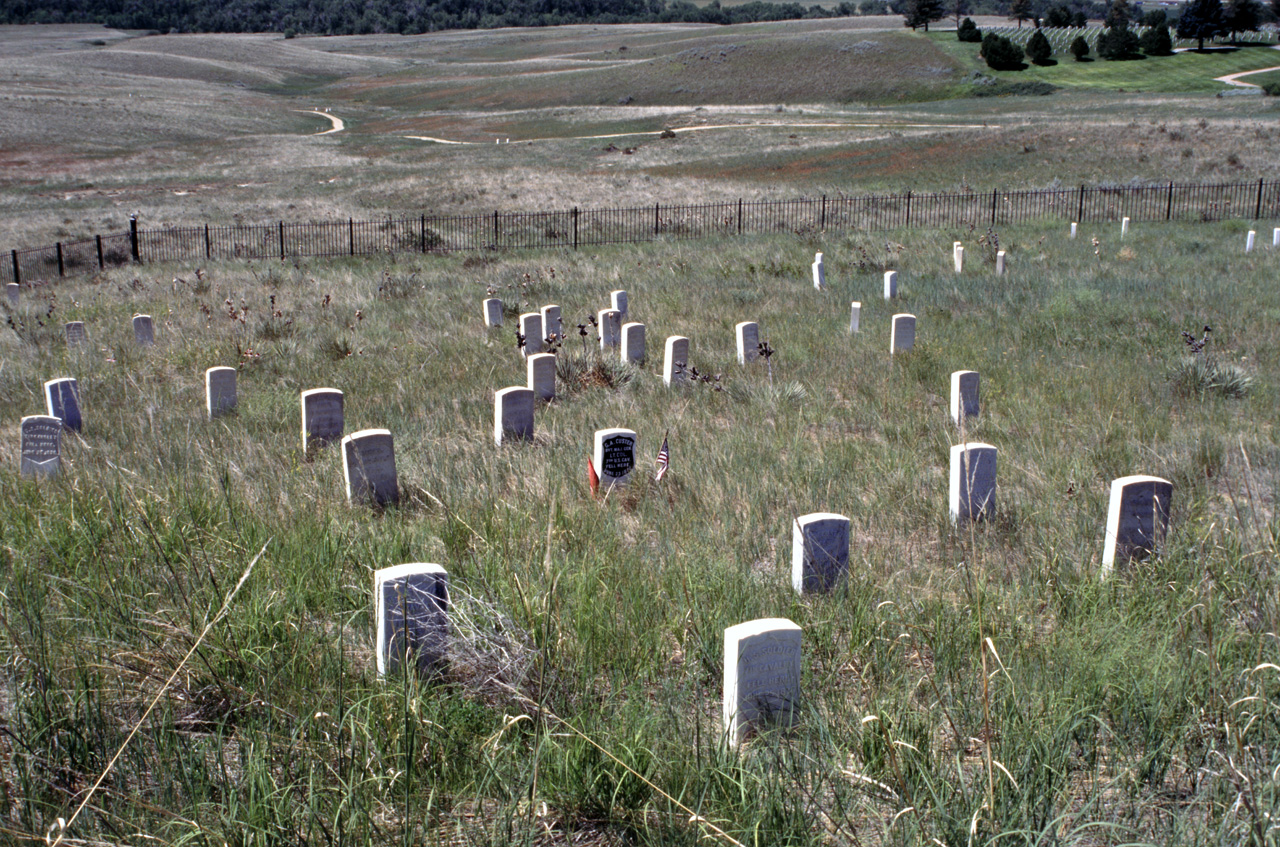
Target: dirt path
(683, 129)
(1234, 79)
(338, 125)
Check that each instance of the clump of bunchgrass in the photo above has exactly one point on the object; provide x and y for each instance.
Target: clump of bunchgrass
(1201, 373)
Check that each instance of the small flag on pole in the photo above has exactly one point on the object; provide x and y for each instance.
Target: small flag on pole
(593, 477)
(664, 459)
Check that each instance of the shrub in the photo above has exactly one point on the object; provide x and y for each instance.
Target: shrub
(1000, 53)
(968, 31)
(1079, 48)
(1271, 89)
(1117, 43)
(1156, 42)
(1038, 48)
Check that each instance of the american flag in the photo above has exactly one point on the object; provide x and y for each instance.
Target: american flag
(664, 459)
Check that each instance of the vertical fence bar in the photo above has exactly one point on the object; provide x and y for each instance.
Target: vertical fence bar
(422, 235)
(17, 274)
(995, 194)
(208, 244)
(282, 241)
(739, 216)
(1257, 209)
(1168, 206)
(1080, 208)
(575, 227)
(656, 220)
(351, 235)
(822, 219)
(101, 263)
(495, 229)
(908, 223)
(61, 268)
(133, 238)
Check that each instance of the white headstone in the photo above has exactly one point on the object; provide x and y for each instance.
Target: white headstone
(531, 329)
(412, 604)
(999, 263)
(143, 331)
(819, 273)
(964, 395)
(903, 335)
(542, 375)
(512, 414)
(959, 259)
(1275, 242)
(633, 342)
(855, 316)
(618, 302)
(610, 321)
(1137, 519)
(1074, 226)
(322, 418)
(675, 361)
(14, 290)
(1124, 227)
(41, 445)
(551, 324)
(819, 552)
(75, 333)
(62, 400)
(973, 482)
(761, 676)
(890, 285)
(369, 466)
(1249, 240)
(748, 333)
(614, 456)
(219, 391)
(493, 312)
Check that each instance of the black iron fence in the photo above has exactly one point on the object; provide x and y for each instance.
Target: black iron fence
(576, 228)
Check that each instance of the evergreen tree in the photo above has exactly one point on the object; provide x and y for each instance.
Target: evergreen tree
(1038, 48)
(969, 31)
(920, 12)
(1000, 53)
(959, 8)
(1156, 17)
(1156, 42)
(1241, 16)
(1201, 19)
(1116, 43)
(1079, 48)
(1021, 10)
(1119, 13)
(1058, 16)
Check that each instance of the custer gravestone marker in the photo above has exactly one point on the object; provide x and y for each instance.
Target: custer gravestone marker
(819, 273)
(493, 312)
(618, 299)
(75, 333)
(412, 616)
(610, 321)
(41, 445)
(551, 324)
(855, 316)
(369, 466)
(890, 284)
(614, 457)
(761, 676)
(819, 552)
(531, 329)
(541, 370)
(15, 291)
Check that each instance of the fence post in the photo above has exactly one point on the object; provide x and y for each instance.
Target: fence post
(575, 227)
(61, 272)
(282, 241)
(351, 234)
(133, 238)
(655, 219)
(822, 220)
(1168, 206)
(17, 274)
(208, 245)
(101, 264)
(1080, 210)
(1257, 209)
(495, 229)
(422, 233)
(995, 195)
(908, 223)
(739, 216)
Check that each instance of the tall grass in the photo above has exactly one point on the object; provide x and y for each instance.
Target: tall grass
(972, 686)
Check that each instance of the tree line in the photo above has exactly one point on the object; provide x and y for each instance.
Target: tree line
(355, 17)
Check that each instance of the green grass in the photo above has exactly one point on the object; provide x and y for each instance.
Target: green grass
(965, 685)
(1188, 72)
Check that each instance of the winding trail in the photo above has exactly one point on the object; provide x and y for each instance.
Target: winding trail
(338, 125)
(684, 129)
(1234, 79)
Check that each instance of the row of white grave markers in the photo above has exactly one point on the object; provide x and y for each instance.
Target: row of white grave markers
(76, 334)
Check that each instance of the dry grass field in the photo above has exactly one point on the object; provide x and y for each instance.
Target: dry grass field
(211, 128)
